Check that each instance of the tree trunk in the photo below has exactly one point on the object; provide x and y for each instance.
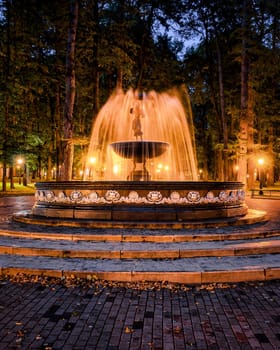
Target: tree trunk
(251, 161)
(5, 151)
(143, 50)
(5, 139)
(11, 173)
(6, 99)
(219, 168)
(243, 136)
(270, 168)
(57, 135)
(223, 116)
(4, 181)
(96, 101)
(49, 168)
(68, 145)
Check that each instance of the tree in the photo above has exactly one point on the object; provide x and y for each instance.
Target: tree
(68, 145)
(129, 44)
(5, 84)
(246, 126)
(213, 22)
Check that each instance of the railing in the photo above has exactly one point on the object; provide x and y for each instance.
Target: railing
(265, 193)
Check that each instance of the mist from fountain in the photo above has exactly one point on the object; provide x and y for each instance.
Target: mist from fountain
(152, 118)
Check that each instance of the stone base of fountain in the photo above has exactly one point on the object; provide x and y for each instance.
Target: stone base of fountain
(139, 202)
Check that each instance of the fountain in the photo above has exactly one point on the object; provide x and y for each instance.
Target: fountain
(141, 168)
(145, 126)
(139, 152)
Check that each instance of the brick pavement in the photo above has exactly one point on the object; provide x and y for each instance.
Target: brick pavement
(66, 313)
(77, 315)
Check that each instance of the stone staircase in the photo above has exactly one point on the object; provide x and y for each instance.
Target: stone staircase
(248, 251)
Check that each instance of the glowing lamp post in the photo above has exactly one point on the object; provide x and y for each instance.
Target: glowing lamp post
(261, 162)
(20, 164)
(19, 161)
(22, 168)
(236, 169)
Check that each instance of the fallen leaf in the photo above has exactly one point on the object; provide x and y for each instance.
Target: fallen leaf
(128, 330)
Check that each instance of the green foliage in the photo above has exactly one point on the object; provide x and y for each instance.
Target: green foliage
(139, 44)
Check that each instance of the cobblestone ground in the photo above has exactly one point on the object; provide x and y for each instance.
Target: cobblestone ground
(70, 314)
(54, 314)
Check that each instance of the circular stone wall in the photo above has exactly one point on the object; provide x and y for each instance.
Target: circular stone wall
(127, 201)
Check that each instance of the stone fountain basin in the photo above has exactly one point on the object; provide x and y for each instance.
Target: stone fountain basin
(139, 150)
(139, 201)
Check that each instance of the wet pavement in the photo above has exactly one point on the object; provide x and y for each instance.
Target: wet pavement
(75, 313)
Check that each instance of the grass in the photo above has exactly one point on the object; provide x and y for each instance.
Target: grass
(18, 189)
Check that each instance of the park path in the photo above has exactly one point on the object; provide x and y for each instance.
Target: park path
(71, 313)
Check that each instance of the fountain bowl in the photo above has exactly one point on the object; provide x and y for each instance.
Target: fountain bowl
(137, 202)
(139, 150)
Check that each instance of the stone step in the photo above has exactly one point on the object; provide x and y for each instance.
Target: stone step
(211, 261)
(252, 217)
(186, 270)
(136, 235)
(136, 250)
(214, 253)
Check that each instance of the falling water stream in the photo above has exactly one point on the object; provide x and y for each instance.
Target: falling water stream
(153, 119)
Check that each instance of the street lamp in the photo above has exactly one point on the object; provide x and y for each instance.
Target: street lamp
(236, 169)
(19, 161)
(261, 162)
(20, 164)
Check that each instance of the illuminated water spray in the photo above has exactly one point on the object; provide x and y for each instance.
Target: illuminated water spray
(142, 137)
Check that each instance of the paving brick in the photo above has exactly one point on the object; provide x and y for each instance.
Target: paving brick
(213, 318)
(77, 313)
